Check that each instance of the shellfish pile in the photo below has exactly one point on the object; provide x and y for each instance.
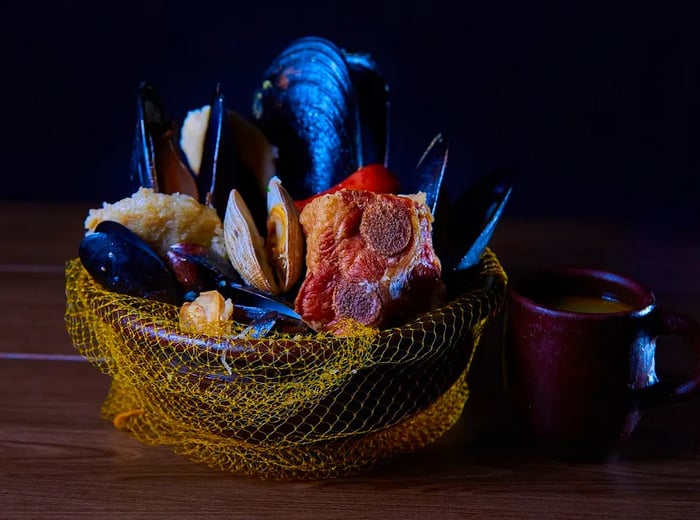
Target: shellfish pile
(290, 213)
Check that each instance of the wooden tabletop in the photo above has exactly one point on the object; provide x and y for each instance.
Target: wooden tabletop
(59, 459)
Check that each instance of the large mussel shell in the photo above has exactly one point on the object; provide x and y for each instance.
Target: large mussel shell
(306, 108)
(122, 262)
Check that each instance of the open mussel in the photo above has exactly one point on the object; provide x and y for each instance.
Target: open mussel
(151, 126)
(464, 231)
(156, 162)
(216, 172)
(212, 157)
(309, 107)
(221, 169)
(462, 228)
(120, 261)
(197, 269)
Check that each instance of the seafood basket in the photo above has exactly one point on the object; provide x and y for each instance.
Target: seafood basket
(282, 407)
(392, 291)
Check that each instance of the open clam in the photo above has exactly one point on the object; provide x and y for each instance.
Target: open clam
(273, 264)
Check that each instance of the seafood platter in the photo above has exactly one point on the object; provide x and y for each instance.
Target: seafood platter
(273, 299)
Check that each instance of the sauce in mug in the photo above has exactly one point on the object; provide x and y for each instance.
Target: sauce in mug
(587, 304)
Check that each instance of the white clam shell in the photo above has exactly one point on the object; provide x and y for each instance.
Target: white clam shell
(273, 264)
(285, 239)
(246, 247)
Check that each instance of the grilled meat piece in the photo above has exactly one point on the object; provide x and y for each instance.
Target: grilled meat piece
(369, 257)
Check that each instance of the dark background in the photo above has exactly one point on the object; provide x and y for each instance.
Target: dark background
(594, 106)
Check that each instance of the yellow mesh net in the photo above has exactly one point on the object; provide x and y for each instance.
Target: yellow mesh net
(310, 406)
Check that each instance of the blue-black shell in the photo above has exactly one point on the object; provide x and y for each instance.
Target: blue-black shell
(306, 107)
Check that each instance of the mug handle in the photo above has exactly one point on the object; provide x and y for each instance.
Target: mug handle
(665, 392)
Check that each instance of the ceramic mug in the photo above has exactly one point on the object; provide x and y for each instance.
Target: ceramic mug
(578, 358)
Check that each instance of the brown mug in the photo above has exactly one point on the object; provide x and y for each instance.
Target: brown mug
(579, 358)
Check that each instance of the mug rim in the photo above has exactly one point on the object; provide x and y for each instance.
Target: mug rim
(645, 303)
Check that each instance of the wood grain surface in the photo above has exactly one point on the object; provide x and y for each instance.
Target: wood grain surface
(58, 459)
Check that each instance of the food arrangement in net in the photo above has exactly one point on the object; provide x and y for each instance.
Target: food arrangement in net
(272, 299)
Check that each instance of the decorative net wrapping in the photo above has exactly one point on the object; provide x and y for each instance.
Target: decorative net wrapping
(285, 406)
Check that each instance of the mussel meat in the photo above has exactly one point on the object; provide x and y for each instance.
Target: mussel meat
(199, 269)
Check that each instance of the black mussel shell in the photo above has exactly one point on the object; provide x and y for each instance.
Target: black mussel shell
(260, 327)
(218, 163)
(473, 221)
(372, 98)
(120, 261)
(151, 124)
(306, 108)
(222, 170)
(270, 321)
(156, 161)
(428, 175)
(249, 297)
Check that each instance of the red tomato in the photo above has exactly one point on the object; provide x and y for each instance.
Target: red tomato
(373, 177)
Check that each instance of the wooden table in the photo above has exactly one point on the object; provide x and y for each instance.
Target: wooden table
(58, 459)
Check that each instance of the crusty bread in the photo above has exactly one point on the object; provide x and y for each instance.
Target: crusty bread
(162, 220)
